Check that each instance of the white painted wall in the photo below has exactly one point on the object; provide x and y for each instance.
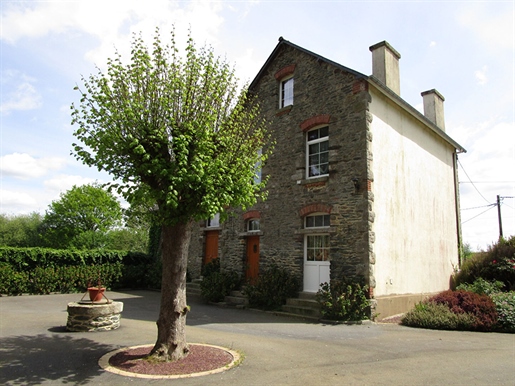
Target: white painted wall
(416, 241)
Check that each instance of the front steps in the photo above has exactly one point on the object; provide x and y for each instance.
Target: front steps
(305, 305)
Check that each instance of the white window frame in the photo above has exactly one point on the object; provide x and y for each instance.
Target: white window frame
(286, 85)
(321, 221)
(311, 168)
(250, 228)
(213, 222)
(257, 169)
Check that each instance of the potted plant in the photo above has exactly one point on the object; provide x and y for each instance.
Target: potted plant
(96, 293)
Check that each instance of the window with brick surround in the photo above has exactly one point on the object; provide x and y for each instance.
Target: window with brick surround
(213, 222)
(316, 246)
(317, 152)
(253, 225)
(286, 92)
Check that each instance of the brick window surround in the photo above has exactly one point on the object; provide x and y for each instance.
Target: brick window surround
(285, 71)
(308, 124)
(315, 208)
(251, 214)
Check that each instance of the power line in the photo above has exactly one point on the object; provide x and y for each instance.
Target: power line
(490, 207)
(470, 180)
(478, 207)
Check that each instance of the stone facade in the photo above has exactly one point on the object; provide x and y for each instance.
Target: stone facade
(326, 94)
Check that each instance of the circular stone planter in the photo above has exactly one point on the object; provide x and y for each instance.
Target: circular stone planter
(84, 317)
(173, 370)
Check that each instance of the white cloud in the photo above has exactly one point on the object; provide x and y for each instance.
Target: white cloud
(24, 166)
(432, 44)
(64, 182)
(16, 202)
(481, 77)
(18, 92)
(109, 21)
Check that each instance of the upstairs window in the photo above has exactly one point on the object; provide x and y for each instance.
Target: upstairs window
(286, 92)
(257, 170)
(317, 152)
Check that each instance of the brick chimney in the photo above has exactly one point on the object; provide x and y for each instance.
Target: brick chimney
(433, 107)
(385, 65)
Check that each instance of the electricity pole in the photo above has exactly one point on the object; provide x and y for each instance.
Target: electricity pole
(499, 214)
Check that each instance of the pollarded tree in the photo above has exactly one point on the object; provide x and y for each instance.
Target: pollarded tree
(179, 137)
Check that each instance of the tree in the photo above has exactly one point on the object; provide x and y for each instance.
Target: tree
(180, 139)
(81, 218)
(21, 230)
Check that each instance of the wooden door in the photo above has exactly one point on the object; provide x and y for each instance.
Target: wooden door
(252, 259)
(211, 251)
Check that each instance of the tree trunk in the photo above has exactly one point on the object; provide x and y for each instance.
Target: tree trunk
(171, 336)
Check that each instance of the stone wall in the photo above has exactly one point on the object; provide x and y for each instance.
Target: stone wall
(83, 317)
(323, 93)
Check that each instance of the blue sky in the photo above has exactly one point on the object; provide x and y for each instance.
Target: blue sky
(466, 50)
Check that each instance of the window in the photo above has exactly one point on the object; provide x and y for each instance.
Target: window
(317, 152)
(253, 225)
(286, 92)
(317, 246)
(257, 170)
(213, 222)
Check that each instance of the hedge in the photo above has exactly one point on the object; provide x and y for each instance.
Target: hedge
(44, 270)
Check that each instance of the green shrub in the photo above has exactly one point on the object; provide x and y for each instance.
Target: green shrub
(211, 267)
(272, 288)
(482, 287)
(343, 300)
(13, 282)
(438, 317)
(217, 285)
(505, 306)
(481, 307)
(496, 264)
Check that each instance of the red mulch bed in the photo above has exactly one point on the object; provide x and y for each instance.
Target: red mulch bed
(201, 358)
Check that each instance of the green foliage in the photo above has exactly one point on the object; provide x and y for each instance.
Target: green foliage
(438, 317)
(343, 300)
(81, 218)
(176, 134)
(216, 285)
(482, 287)
(272, 288)
(20, 230)
(64, 279)
(496, 264)
(505, 306)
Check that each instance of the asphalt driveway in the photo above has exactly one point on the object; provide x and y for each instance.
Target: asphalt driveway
(35, 349)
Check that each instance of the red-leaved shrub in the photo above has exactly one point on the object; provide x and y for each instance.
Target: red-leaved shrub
(480, 306)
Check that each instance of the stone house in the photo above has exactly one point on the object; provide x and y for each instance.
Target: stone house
(361, 184)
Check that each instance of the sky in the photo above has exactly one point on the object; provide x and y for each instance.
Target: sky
(464, 49)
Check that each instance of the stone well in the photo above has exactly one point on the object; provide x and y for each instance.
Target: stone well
(89, 316)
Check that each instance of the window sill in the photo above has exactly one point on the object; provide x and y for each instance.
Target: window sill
(207, 229)
(316, 231)
(247, 234)
(283, 110)
(313, 180)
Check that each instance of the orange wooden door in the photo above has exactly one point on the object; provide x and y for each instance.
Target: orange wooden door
(252, 258)
(211, 251)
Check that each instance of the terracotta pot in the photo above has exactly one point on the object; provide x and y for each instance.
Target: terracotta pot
(96, 294)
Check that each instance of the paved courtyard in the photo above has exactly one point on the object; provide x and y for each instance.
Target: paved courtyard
(35, 349)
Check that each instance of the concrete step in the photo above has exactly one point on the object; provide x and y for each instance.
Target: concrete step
(193, 289)
(299, 302)
(237, 300)
(302, 311)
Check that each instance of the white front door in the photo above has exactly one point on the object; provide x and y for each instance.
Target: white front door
(315, 273)
(316, 262)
